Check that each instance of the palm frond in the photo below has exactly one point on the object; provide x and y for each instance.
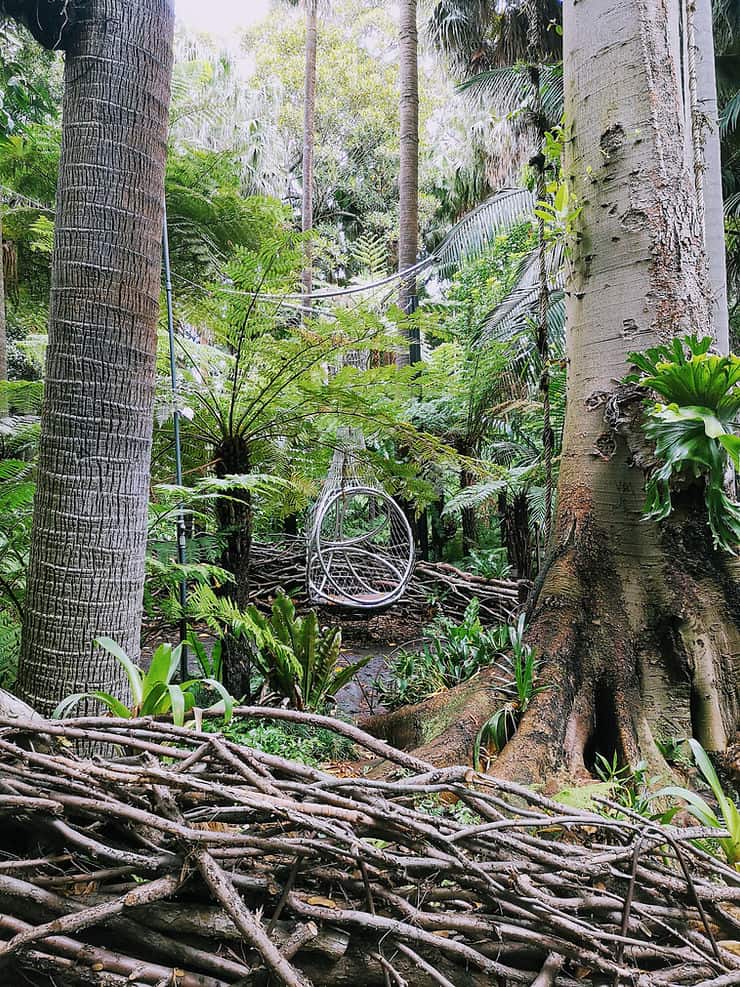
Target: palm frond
(516, 311)
(473, 234)
(509, 91)
(730, 114)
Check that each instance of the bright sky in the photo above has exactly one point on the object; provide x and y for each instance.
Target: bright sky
(220, 17)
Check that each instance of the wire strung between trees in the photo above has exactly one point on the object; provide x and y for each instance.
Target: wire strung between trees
(211, 863)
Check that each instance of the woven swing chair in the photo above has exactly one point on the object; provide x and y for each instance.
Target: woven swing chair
(360, 547)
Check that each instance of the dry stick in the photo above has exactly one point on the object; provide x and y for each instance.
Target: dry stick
(628, 904)
(415, 849)
(686, 873)
(217, 880)
(389, 971)
(106, 959)
(423, 965)
(145, 894)
(13, 888)
(550, 969)
(284, 896)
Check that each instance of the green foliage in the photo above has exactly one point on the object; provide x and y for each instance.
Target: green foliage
(488, 562)
(522, 685)
(153, 693)
(297, 742)
(729, 816)
(29, 87)
(693, 430)
(451, 653)
(629, 786)
(298, 658)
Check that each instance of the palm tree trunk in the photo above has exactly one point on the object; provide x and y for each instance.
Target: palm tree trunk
(408, 178)
(309, 113)
(3, 330)
(86, 570)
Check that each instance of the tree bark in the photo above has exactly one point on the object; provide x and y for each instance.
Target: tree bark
(636, 625)
(3, 330)
(408, 177)
(86, 570)
(309, 114)
(714, 225)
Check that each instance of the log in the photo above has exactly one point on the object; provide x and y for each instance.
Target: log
(435, 587)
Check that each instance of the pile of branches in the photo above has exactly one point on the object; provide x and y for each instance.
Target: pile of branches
(434, 586)
(177, 857)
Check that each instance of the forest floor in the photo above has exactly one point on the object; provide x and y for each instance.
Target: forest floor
(378, 637)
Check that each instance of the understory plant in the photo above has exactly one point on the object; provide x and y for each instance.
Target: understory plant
(729, 815)
(450, 653)
(521, 687)
(295, 741)
(300, 659)
(692, 428)
(153, 693)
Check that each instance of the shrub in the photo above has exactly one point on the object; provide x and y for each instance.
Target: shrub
(153, 693)
(450, 654)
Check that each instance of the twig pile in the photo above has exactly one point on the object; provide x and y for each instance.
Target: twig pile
(182, 858)
(283, 565)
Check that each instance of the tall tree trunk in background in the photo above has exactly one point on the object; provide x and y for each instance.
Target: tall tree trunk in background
(638, 624)
(707, 121)
(86, 571)
(408, 177)
(309, 114)
(3, 329)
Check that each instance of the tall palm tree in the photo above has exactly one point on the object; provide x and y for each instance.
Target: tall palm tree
(408, 176)
(3, 333)
(86, 570)
(309, 134)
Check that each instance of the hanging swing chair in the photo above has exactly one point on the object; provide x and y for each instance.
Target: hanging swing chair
(360, 547)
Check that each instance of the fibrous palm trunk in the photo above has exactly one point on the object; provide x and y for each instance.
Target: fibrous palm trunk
(86, 570)
(638, 624)
(408, 178)
(309, 114)
(3, 330)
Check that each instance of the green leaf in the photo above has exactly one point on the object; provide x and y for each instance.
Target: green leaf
(160, 669)
(694, 803)
(133, 673)
(150, 704)
(177, 702)
(561, 197)
(61, 711)
(226, 699)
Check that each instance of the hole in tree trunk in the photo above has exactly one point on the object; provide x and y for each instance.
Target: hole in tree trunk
(604, 738)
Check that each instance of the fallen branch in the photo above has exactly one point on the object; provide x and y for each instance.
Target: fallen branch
(292, 875)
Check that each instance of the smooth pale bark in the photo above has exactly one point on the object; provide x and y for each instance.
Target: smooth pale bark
(309, 129)
(86, 571)
(712, 168)
(637, 623)
(408, 177)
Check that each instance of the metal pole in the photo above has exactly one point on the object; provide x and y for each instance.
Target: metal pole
(181, 541)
